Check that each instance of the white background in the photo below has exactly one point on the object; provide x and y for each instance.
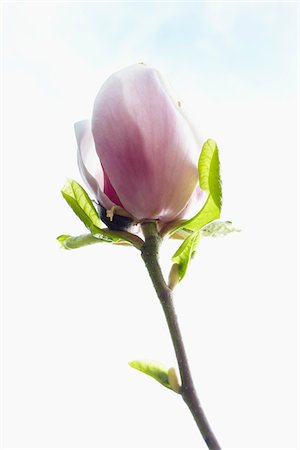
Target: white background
(72, 320)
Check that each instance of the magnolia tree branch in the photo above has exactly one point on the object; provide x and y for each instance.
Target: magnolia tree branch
(149, 253)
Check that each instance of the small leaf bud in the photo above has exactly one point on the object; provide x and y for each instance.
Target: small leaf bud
(173, 276)
(173, 380)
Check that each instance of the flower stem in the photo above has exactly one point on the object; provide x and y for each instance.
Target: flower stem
(188, 392)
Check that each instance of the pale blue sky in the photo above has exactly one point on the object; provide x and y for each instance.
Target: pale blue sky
(59, 54)
(223, 48)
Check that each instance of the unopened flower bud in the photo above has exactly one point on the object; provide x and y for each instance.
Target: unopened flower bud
(140, 152)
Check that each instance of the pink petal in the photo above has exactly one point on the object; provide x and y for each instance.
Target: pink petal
(146, 146)
(110, 191)
(196, 202)
(89, 164)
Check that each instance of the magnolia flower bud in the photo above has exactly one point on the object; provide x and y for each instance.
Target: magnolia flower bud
(140, 156)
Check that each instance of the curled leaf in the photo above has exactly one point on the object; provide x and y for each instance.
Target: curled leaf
(210, 183)
(154, 369)
(185, 252)
(72, 242)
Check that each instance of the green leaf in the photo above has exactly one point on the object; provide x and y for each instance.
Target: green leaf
(102, 235)
(216, 229)
(62, 238)
(78, 199)
(72, 242)
(154, 369)
(210, 182)
(209, 171)
(208, 213)
(185, 252)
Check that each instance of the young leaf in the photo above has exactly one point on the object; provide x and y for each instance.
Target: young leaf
(71, 242)
(185, 252)
(210, 182)
(154, 369)
(102, 235)
(62, 238)
(216, 229)
(208, 213)
(78, 199)
(209, 171)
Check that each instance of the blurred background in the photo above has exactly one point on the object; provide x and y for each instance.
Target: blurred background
(72, 320)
